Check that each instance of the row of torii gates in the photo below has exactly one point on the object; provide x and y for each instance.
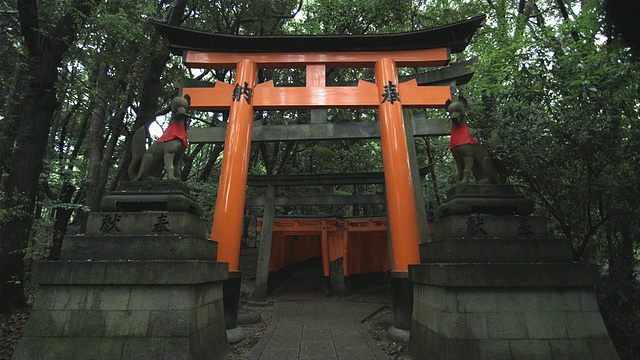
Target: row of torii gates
(384, 53)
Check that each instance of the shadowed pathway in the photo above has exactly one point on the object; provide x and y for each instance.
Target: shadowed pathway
(305, 325)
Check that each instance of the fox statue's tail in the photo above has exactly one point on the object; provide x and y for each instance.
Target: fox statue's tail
(137, 152)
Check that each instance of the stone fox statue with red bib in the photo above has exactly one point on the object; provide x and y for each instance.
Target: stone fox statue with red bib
(165, 153)
(470, 157)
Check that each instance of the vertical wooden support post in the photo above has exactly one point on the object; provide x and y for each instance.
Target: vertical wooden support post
(228, 216)
(264, 251)
(316, 77)
(401, 206)
(421, 211)
(324, 244)
(325, 248)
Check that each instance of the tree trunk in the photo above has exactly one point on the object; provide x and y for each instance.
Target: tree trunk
(8, 127)
(45, 56)
(95, 139)
(213, 157)
(22, 184)
(188, 161)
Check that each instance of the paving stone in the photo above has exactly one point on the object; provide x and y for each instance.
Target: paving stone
(353, 353)
(346, 339)
(321, 332)
(280, 353)
(317, 348)
(322, 336)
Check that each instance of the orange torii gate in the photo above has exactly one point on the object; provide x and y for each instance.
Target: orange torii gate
(247, 96)
(384, 53)
(360, 243)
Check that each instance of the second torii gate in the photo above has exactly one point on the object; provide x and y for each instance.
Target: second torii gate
(384, 53)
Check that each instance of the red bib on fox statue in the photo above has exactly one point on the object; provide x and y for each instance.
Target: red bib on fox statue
(175, 131)
(461, 135)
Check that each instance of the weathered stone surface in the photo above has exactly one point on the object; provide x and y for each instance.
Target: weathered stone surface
(489, 227)
(496, 251)
(149, 325)
(138, 247)
(152, 187)
(493, 206)
(150, 202)
(498, 275)
(145, 223)
(135, 196)
(532, 321)
(527, 349)
(128, 272)
(484, 199)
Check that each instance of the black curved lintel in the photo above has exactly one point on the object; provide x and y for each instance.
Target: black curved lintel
(455, 36)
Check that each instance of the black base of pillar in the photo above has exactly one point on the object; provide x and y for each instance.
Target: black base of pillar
(326, 286)
(402, 290)
(231, 299)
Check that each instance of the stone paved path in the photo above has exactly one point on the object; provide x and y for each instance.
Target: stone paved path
(317, 329)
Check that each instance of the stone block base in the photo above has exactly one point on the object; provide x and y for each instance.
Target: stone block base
(126, 310)
(125, 322)
(520, 322)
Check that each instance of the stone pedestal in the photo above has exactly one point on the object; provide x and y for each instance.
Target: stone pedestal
(492, 284)
(142, 283)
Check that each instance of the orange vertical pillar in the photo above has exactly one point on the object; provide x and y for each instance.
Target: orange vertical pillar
(228, 216)
(401, 207)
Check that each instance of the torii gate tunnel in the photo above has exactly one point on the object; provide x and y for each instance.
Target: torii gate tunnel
(384, 53)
